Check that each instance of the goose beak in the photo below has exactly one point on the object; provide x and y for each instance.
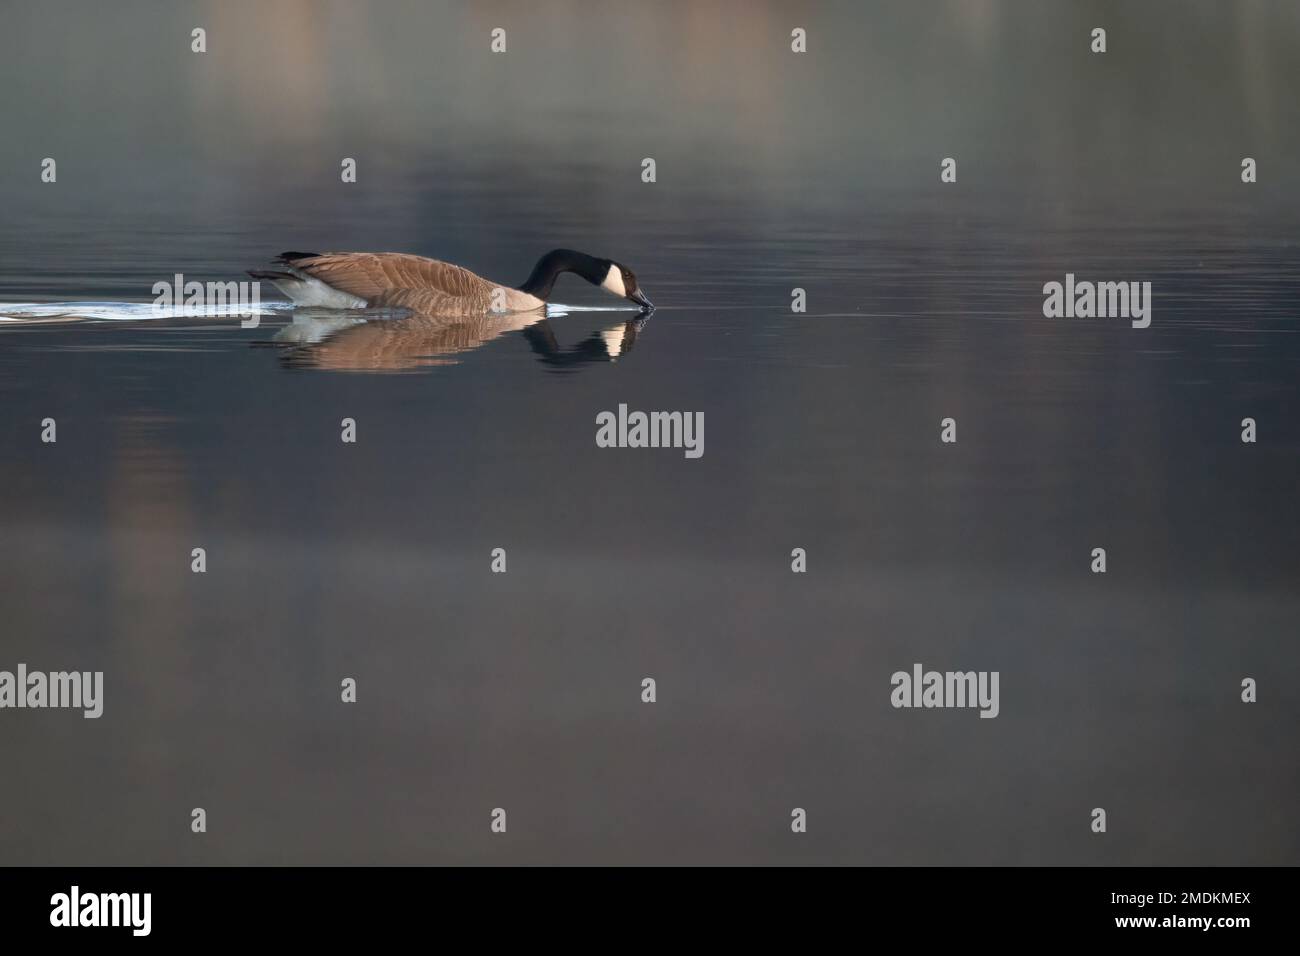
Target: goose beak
(639, 298)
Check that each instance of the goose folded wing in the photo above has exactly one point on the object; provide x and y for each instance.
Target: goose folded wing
(375, 276)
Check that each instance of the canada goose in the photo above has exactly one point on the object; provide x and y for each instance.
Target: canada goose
(358, 280)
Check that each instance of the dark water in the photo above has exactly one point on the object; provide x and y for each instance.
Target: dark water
(522, 690)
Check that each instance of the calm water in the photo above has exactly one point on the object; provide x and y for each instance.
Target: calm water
(775, 171)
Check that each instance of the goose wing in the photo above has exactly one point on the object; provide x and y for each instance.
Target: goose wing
(389, 278)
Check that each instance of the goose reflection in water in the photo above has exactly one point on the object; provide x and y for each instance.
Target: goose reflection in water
(394, 342)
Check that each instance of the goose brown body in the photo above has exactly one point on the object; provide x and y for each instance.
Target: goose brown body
(401, 280)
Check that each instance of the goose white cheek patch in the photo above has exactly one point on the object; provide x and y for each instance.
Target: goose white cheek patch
(614, 282)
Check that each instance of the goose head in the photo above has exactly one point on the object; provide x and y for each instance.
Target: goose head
(609, 275)
(621, 281)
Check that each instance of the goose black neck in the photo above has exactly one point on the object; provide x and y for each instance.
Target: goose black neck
(550, 266)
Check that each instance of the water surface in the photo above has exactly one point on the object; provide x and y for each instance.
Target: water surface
(478, 690)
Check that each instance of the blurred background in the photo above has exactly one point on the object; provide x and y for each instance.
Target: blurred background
(775, 170)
